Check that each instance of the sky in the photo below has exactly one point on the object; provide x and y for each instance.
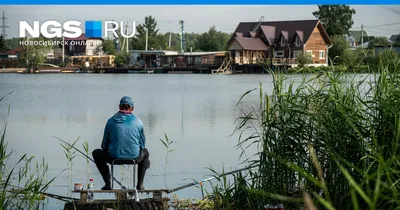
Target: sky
(199, 18)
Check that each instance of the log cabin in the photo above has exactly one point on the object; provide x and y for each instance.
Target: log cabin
(278, 41)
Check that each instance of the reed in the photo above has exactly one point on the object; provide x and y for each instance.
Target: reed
(21, 185)
(167, 143)
(331, 137)
(330, 141)
(70, 154)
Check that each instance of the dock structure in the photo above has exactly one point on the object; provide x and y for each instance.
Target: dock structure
(145, 204)
(123, 200)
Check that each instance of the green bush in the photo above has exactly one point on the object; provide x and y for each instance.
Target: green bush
(387, 58)
(304, 59)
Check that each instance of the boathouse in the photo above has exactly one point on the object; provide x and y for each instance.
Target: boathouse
(278, 43)
(148, 58)
(195, 62)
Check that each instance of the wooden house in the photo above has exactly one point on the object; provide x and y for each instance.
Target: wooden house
(278, 41)
(83, 46)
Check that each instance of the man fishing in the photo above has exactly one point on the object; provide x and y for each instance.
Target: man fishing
(123, 139)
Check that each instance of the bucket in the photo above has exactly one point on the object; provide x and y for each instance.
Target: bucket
(78, 187)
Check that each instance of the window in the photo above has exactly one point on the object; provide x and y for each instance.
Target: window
(190, 60)
(282, 41)
(297, 41)
(309, 52)
(321, 54)
(197, 60)
(279, 54)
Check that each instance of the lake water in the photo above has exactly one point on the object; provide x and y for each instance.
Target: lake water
(197, 111)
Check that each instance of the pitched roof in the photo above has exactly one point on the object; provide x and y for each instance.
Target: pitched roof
(300, 34)
(394, 37)
(273, 29)
(251, 43)
(82, 37)
(269, 31)
(15, 50)
(357, 35)
(285, 35)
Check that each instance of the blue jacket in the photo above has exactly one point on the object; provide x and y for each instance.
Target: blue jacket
(123, 136)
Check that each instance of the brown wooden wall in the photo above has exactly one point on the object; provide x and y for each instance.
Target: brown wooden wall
(316, 43)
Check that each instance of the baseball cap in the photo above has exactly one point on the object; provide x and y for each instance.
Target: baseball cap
(126, 100)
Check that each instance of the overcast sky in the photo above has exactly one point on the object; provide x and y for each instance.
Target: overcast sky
(199, 18)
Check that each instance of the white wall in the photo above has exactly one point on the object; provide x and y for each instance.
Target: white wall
(91, 46)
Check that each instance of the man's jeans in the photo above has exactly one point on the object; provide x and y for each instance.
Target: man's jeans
(101, 158)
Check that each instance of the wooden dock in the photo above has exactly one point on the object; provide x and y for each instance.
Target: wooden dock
(144, 204)
(121, 202)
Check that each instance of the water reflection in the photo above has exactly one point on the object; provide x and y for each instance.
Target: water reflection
(197, 111)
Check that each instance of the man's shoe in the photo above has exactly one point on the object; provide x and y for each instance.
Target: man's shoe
(106, 187)
(140, 187)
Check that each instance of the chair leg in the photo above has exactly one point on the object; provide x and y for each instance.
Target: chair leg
(134, 182)
(112, 175)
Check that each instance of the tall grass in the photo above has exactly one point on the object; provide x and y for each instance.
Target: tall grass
(330, 141)
(70, 154)
(21, 185)
(167, 143)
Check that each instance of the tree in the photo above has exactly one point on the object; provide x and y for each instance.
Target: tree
(212, 40)
(34, 53)
(12, 42)
(3, 45)
(337, 19)
(338, 49)
(379, 41)
(122, 58)
(139, 42)
(108, 47)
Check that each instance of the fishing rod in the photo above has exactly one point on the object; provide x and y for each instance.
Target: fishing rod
(174, 189)
(72, 146)
(208, 179)
(58, 197)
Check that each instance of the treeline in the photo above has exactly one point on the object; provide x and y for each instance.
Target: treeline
(211, 40)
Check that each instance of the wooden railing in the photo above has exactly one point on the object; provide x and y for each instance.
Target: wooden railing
(282, 61)
(274, 61)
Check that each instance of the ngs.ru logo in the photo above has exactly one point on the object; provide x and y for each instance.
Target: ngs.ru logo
(71, 29)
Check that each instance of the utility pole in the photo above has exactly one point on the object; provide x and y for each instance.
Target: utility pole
(3, 26)
(362, 35)
(169, 42)
(127, 39)
(147, 37)
(183, 41)
(63, 49)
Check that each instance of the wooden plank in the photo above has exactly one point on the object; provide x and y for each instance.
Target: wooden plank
(143, 206)
(157, 195)
(120, 190)
(135, 206)
(149, 206)
(83, 197)
(155, 205)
